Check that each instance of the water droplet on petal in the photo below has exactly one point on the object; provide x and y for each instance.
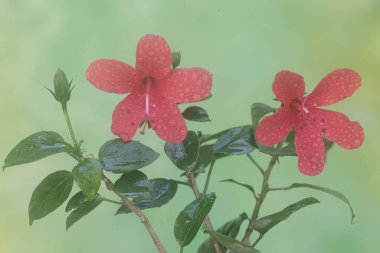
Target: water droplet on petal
(125, 137)
(196, 96)
(171, 122)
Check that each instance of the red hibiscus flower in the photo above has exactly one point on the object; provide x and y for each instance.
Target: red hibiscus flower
(155, 89)
(311, 123)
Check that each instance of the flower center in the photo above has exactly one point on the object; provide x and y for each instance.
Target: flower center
(299, 106)
(148, 83)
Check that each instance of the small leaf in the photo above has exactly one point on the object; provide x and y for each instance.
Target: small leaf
(230, 229)
(185, 154)
(232, 244)
(288, 150)
(50, 194)
(196, 113)
(264, 224)
(88, 176)
(191, 218)
(247, 186)
(75, 201)
(133, 184)
(119, 157)
(36, 147)
(82, 210)
(235, 141)
(259, 110)
(331, 192)
(161, 191)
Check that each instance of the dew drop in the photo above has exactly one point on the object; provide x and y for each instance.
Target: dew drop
(171, 122)
(125, 137)
(196, 96)
(348, 146)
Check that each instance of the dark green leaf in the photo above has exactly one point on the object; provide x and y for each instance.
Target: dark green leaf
(191, 218)
(133, 184)
(50, 194)
(88, 176)
(331, 192)
(288, 150)
(185, 154)
(263, 224)
(232, 244)
(119, 157)
(82, 210)
(249, 187)
(196, 113)
(259, 110)
(161, 191)
(75, 201)
(235, 141)
(230, 229)
(36, 147)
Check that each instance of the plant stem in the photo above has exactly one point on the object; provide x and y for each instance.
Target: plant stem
(206, 221)
(110, 186)
(256, 164)
(69, 125)
(260, 199)
(209, 176)
(139, 214)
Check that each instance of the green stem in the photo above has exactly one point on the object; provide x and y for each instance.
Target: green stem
(69, 125)
(207, 221)
(111, 201)
(209, 176)
(261, 198)
(256, 164)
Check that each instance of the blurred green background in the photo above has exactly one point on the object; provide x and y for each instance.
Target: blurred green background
(244, 43)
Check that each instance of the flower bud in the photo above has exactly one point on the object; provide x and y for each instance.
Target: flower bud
(176, 59)
(62, 88)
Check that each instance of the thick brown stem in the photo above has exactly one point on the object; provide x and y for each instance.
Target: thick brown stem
(207, 220)
(144, 220)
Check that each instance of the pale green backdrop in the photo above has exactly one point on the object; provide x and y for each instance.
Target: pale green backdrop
(244, 43)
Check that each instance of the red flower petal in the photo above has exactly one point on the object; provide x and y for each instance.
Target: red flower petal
(310, 148)
(167, 119)
(186, 85)
(288, 86)
(127, 116)
(272, 129)
(112, 76)
(334, 87)
(338, 128)
(153, 57)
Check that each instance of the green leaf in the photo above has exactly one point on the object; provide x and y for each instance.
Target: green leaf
(331, 192)
(230, 229)
(82, 210)
(196, 113)
(288, 150)
(119, 157)
(259, 110)
(50, 194)
(36, 147)
(235, 141)
(161, 191)
(191, 218)
(88, 176)
(185, 154)
(133, 184)
(264, 224)
(232, 244)
(247, 186)
(75, 201)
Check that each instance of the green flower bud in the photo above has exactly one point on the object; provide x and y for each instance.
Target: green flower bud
(176, 59)
(62, 88)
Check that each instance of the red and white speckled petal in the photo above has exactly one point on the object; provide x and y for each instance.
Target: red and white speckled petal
(338, 128)
(112, 76)
(166, 119)
(310, 148)
(288, 86)
(153, 57)
(127, 116)
(272, 129)
(334, 87)
(186, 85)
